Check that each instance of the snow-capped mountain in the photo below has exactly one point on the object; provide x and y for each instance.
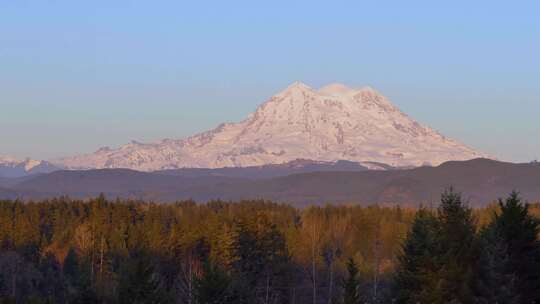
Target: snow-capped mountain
(12, 167)
(329, 124)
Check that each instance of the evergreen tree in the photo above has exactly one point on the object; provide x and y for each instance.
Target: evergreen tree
(436, 265)
(494, 281)
(457, 252)
(138, 284)
(417, 259)
(260, 260)
(519, 231)
(249, 244)
(273, 247)
(213, 287)
(52, 285)
(351, 284)
(78, 281)
(248, 256)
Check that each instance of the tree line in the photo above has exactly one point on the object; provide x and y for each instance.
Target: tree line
(123, 251)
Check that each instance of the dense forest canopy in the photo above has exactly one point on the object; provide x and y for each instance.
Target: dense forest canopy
(121, 251)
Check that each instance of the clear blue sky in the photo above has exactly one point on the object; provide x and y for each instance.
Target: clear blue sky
(78, 75)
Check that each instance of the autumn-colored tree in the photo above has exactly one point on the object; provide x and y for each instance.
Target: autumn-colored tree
(89, 251)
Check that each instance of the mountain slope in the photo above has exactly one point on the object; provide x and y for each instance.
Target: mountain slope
(480, 180)
(333, 123)
(274, 170)
(112, 182)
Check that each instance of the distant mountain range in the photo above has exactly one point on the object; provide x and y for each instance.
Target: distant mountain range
(303, 146)
(329, 124)
(126, 182)
(300, 183)
(11, 167)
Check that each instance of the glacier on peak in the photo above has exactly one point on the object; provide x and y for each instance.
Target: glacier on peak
(332, 123)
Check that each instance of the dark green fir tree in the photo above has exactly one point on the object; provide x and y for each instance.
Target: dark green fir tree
(351, 284)
(519, 231)
(138, 284)
(417, 261)
(213, 286)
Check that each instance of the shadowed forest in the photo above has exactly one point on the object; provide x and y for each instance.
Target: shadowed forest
(103, 251)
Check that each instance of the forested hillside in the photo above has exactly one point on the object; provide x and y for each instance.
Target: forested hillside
(102, 251)
(300, 183)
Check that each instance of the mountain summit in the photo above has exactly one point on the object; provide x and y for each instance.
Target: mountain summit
(329, 124)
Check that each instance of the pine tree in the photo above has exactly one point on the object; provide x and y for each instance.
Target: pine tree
(248, 256)
(457, 251)
(436, 265)
(138, 284)
(260, 260)
(351, 284)
(273, 247)
(495, 283)
(78, 279)
(213, 287)
(519, 231)
(52, 284)
(417, 259)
